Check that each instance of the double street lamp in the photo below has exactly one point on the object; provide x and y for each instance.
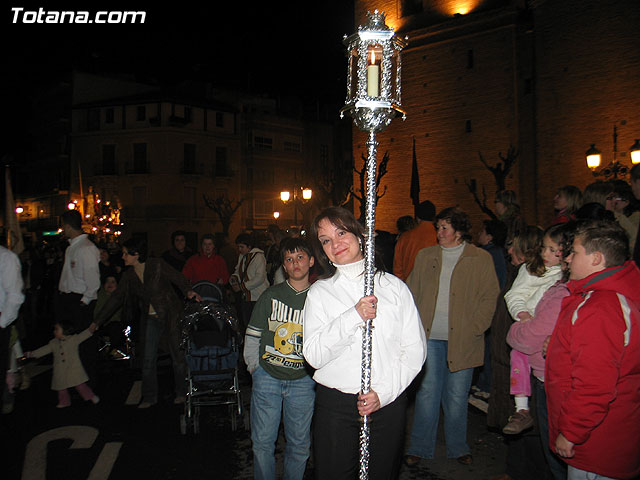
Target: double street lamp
(297, 196)
(614, 169)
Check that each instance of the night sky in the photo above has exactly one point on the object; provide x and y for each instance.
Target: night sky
(285, 47)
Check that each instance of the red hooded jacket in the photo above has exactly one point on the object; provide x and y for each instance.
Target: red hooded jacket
(592, 374)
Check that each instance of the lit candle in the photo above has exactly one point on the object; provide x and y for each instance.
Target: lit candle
(373, 76)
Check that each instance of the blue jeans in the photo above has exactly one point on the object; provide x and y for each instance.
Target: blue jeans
(577, 474)
(155, 327)
(294, 400)
(440, 386)
(557, 466)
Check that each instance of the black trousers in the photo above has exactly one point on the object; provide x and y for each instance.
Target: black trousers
(336, 437)
(70, 311)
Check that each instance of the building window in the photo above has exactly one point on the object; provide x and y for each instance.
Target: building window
(187, 114)
(189, 165)
(109, 160)
(93, 119)
(264, 176)
(141, 113)
(467, 126)
(263, 208)
(108, 115)
(221, 169)
(220, 119)
(139, 158)
(410, 7)
(469, 59)
(263, 142)
(292, 147)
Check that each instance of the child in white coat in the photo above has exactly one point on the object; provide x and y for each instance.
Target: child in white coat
(67, 368)
(539, 272)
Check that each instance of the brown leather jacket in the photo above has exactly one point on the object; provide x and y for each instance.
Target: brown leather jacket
(156, 290)
(472, 300)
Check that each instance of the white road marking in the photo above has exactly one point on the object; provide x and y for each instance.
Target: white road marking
(107, 459)
(135, 394)
(35, 458)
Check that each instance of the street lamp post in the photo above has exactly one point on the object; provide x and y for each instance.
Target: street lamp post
(300, 195)
(373, 101)
(614, 169)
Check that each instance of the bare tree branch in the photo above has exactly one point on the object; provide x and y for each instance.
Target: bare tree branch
(224, 208)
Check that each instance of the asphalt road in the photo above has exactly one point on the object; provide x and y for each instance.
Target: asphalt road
(116, 440)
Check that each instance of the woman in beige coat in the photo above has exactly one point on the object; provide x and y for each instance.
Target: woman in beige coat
(67, 367)
(455, 287)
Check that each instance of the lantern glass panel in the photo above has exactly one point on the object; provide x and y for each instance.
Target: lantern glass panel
(353, 71)
(395, 58)
(374, 67)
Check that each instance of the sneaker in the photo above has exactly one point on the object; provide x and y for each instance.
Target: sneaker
(95, 399)
(62, 405)
(146, 405)
(482, 395)
(518, 422)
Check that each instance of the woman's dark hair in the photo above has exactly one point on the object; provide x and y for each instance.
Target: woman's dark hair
(567, 232)
(343, 219)
(137, 246)
(458, 219)
(594, 211)
(624, 191)
(177, 233)
(245, 239)
(527, 244)
(497, 230)
(597, 192)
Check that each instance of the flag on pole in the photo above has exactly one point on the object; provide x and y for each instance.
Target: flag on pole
(415, 179)
(11, 224)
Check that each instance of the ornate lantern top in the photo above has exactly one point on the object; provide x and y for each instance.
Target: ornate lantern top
(374, 71)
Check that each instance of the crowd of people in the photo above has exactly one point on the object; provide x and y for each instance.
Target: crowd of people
(541, 325)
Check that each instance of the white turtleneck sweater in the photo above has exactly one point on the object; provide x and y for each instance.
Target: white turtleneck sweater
(333, 335)
(440, 326)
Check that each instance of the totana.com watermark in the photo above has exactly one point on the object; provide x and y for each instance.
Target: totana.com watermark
(20, 15)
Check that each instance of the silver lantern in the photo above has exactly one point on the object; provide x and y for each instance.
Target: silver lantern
(373, 100)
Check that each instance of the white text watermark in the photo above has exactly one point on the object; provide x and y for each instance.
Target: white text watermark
(20, 15)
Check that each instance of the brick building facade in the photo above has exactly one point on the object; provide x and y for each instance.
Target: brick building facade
(547, 77)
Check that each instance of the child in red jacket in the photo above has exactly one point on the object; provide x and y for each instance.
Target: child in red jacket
(592, 376)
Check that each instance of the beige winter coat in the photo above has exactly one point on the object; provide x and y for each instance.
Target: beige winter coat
(472, 300)
(67, 367)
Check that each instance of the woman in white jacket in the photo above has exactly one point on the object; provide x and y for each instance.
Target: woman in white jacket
(250, 275)
(335, 312)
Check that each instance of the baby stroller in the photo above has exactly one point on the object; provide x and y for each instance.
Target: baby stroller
(211, 341)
